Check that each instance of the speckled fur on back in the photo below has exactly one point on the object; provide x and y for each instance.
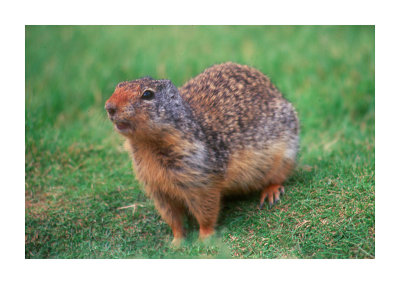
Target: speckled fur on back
(228, 130)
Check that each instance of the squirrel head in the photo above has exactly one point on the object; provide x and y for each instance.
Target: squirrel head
(145, 104)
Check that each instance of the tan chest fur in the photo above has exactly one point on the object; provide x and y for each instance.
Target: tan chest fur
(166, 168)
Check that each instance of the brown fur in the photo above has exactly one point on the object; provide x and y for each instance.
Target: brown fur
(162, 184)
(227, 131)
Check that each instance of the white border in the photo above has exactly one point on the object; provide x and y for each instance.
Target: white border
(18, 14)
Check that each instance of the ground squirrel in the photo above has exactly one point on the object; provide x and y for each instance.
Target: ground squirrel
(228, 130)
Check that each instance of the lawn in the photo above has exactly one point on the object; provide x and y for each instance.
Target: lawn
(81, 197)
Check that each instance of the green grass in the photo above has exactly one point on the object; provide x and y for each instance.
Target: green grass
(78, 176)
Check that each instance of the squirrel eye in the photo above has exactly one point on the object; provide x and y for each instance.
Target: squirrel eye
(148, 95)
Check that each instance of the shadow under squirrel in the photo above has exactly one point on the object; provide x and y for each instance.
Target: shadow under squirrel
(227, 131)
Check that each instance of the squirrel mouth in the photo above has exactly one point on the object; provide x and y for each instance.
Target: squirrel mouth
(122, 126)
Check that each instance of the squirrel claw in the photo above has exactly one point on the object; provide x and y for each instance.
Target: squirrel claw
(273, 193)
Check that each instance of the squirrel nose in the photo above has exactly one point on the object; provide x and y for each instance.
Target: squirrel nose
(111, 108)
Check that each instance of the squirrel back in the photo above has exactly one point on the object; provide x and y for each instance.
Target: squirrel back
(246, 121)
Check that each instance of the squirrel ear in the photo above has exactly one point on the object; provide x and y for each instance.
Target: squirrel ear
(167, 83)
(169, 87)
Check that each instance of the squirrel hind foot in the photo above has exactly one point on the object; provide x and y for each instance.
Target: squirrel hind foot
(273, 192)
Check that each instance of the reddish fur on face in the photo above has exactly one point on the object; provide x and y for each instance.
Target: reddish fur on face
(124, 95)
(123, 98)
